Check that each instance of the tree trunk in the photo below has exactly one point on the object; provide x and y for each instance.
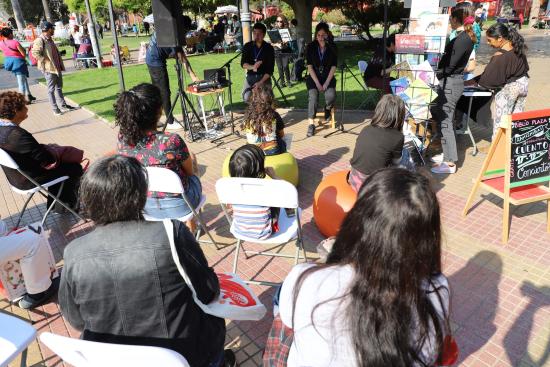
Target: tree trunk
(47, 12)
(303, 10)
(367, 31)
(534, 13)
(18, 15)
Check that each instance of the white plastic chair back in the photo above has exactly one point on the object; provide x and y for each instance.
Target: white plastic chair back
(15, 337)
(6, 160)
(82, 353)
(164, 180)
(362, 64)
(257, 191)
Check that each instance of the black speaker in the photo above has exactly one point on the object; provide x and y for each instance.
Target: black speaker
(447, 3)
(169, 26)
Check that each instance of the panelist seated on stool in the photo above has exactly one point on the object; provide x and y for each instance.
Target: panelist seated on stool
(322, 58)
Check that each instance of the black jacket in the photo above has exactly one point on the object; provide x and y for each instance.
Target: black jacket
(31, 157)
(121, 285)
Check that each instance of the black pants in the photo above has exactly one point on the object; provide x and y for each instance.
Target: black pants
(282, 62)
(159, 78)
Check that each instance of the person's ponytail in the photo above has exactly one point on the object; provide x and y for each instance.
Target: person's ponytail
(501, 30)
(469, 29)
(518, 43)
(137, 111)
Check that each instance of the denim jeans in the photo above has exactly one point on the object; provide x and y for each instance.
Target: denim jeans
(175, 207)
(23, 84)
(55, 90)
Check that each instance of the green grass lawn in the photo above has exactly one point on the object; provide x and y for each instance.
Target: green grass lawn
(96, 89)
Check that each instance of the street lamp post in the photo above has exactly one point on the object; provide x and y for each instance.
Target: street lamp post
(245, 21)
(117, 49)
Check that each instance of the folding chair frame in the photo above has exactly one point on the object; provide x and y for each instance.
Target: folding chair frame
(239, 244)
(195, 214)
(43, 190)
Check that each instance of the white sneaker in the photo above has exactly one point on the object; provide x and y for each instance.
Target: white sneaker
(174, 126)
(438, 158)
(444, 168)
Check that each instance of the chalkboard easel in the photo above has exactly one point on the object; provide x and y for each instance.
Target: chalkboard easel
(517, 168)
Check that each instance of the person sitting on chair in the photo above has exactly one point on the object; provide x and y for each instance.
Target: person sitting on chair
(85, 50)
(34, 159)
(322, 58)
(374, 74)
(120, 283)
(263, 126)
(258, 59)
(27, 248)
(137, 113)
(253, 221)
(380, 144)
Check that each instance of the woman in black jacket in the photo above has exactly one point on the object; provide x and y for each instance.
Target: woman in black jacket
(32, 158)
(120, 283)
(451, 85)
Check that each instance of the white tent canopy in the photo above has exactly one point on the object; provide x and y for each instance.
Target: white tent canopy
(227, 9)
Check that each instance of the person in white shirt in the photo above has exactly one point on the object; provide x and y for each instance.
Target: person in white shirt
(380, 299)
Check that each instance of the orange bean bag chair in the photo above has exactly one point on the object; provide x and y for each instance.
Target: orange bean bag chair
(332, 201)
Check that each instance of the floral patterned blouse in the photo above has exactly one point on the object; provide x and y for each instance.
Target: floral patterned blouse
(161, 150)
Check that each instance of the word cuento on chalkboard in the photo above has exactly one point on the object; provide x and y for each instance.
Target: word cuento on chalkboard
(517, 168)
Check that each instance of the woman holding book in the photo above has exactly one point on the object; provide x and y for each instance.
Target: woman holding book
(451, 85)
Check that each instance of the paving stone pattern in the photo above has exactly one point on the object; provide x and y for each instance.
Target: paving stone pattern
(500, 293)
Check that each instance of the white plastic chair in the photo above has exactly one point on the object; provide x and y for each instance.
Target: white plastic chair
(362, 64)
(15, 337)
(165, 180)
(7, 161)
(269, 193)
(83, 353)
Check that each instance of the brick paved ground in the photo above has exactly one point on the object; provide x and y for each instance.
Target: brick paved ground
(500, 293)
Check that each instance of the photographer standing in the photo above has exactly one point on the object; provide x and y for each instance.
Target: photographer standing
(155, 59)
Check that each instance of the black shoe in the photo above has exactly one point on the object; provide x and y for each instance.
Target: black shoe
(31, 98)
(34, 300)
(229, 358)
(68, 108)
(57, 112)
(310, 130)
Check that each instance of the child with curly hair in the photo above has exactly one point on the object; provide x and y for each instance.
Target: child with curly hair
(263, 126)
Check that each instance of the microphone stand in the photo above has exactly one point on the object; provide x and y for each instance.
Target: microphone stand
(228, 66)
(344, 69)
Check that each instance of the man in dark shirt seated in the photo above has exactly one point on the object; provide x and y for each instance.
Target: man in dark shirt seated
(258, 58)
(375, 69)
(155, 58)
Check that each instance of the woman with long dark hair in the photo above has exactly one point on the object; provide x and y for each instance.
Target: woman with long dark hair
(380, 299)
(506, 73)
(322, 58)
(451, 85)
(262, 124)
(137, 113)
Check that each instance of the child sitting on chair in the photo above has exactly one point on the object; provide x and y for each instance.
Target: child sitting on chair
(251, 220)
(263, 126)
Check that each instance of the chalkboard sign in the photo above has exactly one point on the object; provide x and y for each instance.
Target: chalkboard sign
(530, 143)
